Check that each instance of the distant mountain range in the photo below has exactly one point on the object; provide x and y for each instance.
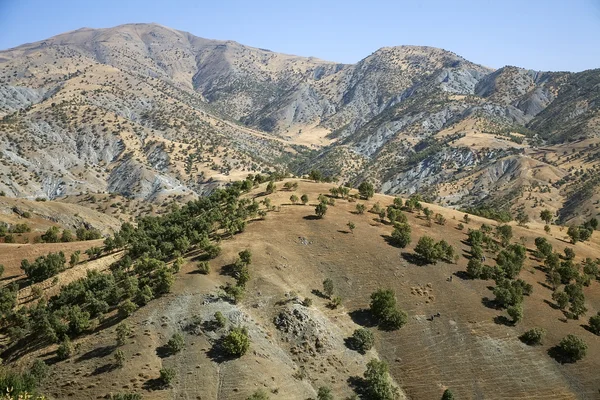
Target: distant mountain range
(145, 111)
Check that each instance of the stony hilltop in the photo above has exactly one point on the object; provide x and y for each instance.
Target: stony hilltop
(146, 111)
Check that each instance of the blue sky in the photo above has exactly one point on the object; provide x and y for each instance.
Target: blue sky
(542, 35)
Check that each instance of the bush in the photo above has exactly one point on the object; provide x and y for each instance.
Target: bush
(572, 348)
(448, 395)
(401, 235)
(126, 396)
(220, 320)
(425, 248)
(167, 375)
(384, 310)
(378, 385)
(362, 340)
(335, 302)
(594, 324)
(176, 343)
(366, 190)
(65, 349)
(123, 332)
(119, 358)
(475, 268)
(533, 336)
(516, 313)
(304, 199)
(258, 395)
(127, 308)
(236, 343)
(204, 267)
(324, 393)
(321, 210)
(360, 208)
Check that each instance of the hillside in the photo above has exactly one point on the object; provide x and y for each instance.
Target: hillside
(147, 112)
(297, 347)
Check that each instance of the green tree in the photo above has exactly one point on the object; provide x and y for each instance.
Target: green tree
(505, 234)
(426, 249)
(294, 199)
(362, 340)
(324, 393)
(366, 190)
(475, 268)
(569, 253)
(320, 210)
(304, 199)
(401, 235)
(522, 218)
(384, 310)
(533, 336)
(237, 342)
(65, 349)
(546, 216)
(119, 358)
(544, 248)
(561, 299)
(167, 375)
(516, 313)
(378, 385)
(176, 343)
(123, 332)
(574, 233)
(271, 187)
(573, 348)
(594, 324)
(448, 395)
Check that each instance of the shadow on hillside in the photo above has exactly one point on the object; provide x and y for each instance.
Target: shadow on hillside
(99, 352)
(588, 328)
(359, 385)
(545, 285)
(414, 259)
(363, 317)
(310, 217)
(217, 353)
(320, 294)
(342, 231)
(556, 353)
(164, 351)
(462, 275)
(502, 320)
(104, 368)
(490, 303)
(154, 384)
(551, 304)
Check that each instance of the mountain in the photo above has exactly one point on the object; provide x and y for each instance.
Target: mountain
(146, 111)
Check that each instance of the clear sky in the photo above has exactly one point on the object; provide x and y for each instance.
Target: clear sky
(541, 35)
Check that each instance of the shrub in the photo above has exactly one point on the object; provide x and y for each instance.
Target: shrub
(360, 208)
(324, 393)
(220, 320)
(294, 199)
(366, 190)
(304, 199)
(127, 308)
(176, 343)
(203, 267)
(533, 336)
(236, 343)
(123, 331)
(572, 348)
(335, 302)
(516, 312)
(425, 248)
(321, 210)
(39, 371)
(119, 358)
(384, 310)
(475, 268)
(362, 340)
(594, 324)
(561, 299)
(65, 349)
(258, 395)
(401, 235)
(167, 375)
(378, 385)
(448, 395)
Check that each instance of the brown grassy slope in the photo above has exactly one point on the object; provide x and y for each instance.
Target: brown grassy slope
(463, 349)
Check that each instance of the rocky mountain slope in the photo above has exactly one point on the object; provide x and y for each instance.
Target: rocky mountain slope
(146, 111)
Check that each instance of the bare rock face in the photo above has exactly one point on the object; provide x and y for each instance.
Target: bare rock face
(143, 110)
